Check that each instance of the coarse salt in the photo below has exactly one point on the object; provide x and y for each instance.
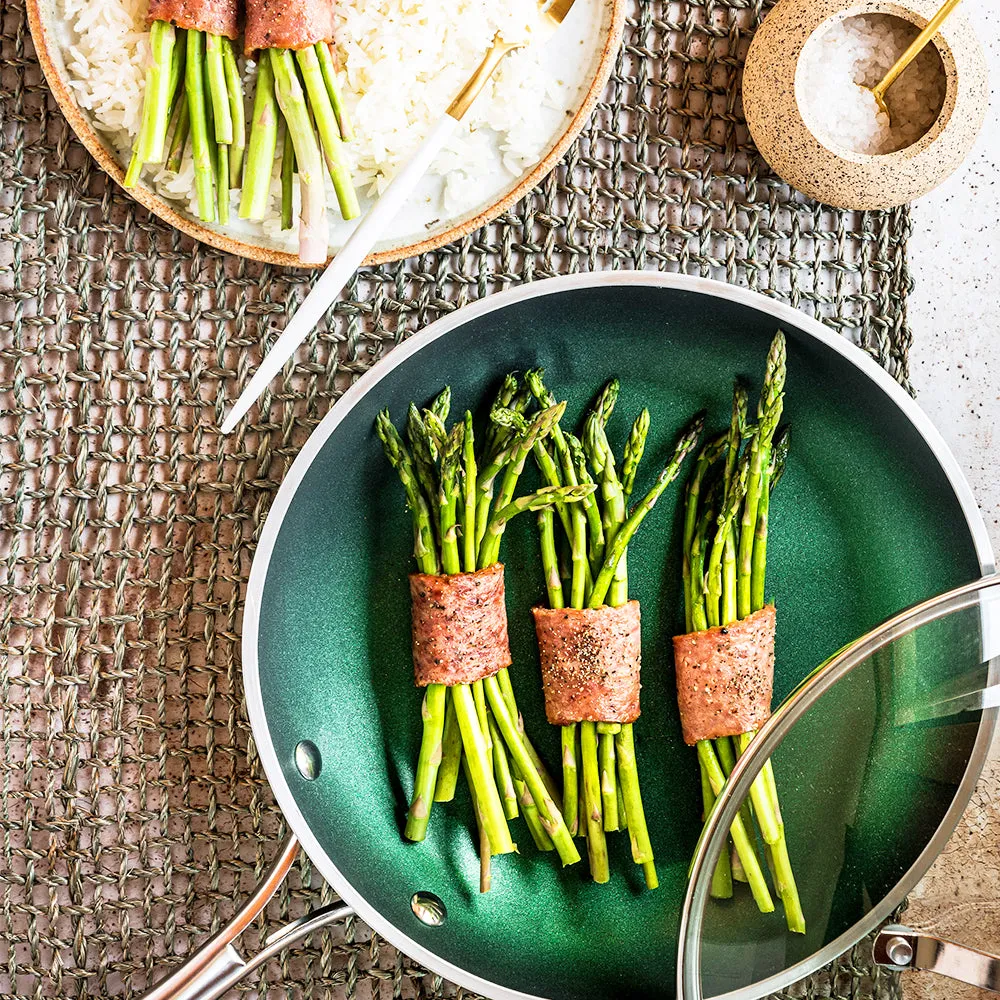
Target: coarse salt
(840, 66)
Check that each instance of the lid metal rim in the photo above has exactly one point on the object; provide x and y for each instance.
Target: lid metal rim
(768, 739)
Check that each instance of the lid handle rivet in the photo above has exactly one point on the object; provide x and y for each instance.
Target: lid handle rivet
(899, 951)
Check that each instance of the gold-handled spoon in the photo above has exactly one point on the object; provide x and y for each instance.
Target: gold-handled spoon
(917, 46)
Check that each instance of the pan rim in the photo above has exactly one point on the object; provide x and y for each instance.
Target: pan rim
(783, 314)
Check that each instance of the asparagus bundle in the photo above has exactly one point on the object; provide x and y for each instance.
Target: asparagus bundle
(297, 85)
(724, 560)
(461, 497)
(194, 91)
(601, 790)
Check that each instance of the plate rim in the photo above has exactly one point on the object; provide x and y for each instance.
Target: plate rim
(368, 382)
(205, 233)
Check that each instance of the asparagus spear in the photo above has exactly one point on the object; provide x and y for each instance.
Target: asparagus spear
(469, 496)
(428, 763)
(773, 451)
(451, 560)
(329, 131)
(287, 179)
(156, 103)
(327, 64)
(179, 138)
(727, 758)
(634, 449)
(234, 94)
(759, 559)
(597, 845)
(502, 772)
(424, 455)
(485, 869)
(768, 416)
(222, 182)
(570, 804)
(628, 774)
(292, 101)
(604, 405)
(451, 743)
(194, 87)
(706, 458)
(178, 57)
(218, 92)
(263, 145)
(602, 582)
(591, 508)
(441, 406)
(497, 431)
(179, 123)
(609, 780)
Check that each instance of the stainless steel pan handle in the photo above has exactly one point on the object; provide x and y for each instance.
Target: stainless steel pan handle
(901, 948)
(217, 966)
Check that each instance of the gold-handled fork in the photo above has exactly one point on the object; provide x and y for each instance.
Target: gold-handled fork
(374, 222)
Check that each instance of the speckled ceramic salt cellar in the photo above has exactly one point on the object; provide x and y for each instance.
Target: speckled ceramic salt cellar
(776, 107)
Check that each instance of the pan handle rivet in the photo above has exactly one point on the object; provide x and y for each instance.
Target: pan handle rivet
(308, 760)
(428, 908)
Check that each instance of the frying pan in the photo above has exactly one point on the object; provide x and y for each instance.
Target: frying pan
(872, 516)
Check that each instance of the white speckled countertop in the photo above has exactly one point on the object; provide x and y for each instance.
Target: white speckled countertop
(955, 306)
(955, 319)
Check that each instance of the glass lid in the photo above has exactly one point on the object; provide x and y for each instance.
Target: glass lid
(872, 760)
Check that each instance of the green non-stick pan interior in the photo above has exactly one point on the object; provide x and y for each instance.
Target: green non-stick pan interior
(864, 523)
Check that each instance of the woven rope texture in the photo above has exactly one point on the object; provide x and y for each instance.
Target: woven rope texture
(134, 814)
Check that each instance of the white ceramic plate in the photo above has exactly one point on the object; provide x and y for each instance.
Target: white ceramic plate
(579, 57)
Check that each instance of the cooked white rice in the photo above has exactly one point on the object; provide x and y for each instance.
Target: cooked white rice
(839, 68)
(402, 63)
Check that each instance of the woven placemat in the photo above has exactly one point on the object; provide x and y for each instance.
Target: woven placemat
(133, 810)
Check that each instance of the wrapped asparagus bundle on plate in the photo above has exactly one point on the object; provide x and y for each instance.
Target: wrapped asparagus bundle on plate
(296, 85)
(194, 92)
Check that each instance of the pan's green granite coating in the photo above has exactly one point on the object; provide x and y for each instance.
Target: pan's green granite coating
(864, 524)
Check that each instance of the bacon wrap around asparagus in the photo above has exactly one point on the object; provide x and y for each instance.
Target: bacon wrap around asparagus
(459, 626)
(590, 663)
(217, 17)
(287, 24)
(725, 676)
